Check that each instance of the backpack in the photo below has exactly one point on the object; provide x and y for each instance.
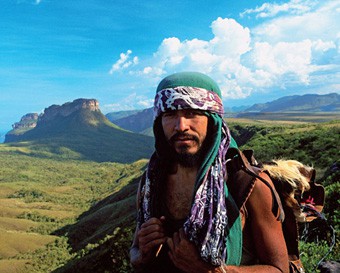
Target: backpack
(298, 199)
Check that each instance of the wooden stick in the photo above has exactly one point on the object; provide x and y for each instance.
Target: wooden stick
(159, 249)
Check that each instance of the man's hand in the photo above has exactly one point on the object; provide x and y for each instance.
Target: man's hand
(150, 236)
(184, 254)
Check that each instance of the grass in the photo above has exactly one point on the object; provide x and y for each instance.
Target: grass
(39, 196)
(14, 224)
(11, 242)
(11, 266)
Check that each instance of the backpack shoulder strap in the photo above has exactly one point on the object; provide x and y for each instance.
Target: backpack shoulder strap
(240, 183)
(242, 174)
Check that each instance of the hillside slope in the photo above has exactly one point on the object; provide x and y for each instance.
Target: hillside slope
(84, 133)
(135, 121)
(41, 199)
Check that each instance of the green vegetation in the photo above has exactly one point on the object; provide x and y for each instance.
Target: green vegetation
(297, 116)
(313, 144)
(83, 135)
(65, 215)
(41, 200)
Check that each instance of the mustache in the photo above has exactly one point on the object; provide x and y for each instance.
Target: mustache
(182, 136)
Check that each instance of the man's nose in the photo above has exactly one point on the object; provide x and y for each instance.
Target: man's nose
(182, 124)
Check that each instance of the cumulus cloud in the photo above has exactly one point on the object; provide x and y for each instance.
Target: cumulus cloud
(321, 22)
(297, 49)
(124, 62)
(219, 56)
(285, 62)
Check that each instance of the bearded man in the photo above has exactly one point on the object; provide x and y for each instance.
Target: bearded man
(194, 214)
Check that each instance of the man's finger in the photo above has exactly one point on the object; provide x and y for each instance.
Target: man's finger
(151, 221)
(145, 238)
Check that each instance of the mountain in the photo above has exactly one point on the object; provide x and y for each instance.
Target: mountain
(139, 121)
(79, 130)
(305, 103)
(27, 122)
(2, 136)
(113, 116)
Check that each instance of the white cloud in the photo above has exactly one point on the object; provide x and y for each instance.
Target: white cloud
(273, 9)
(133, 101)
(320, 23)
(124, 62)
(231, 39)
(298, 49)
(169, 51)
(320, 45)
(284, 58)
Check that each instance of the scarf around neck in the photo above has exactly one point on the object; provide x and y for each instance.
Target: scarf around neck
(208, 225)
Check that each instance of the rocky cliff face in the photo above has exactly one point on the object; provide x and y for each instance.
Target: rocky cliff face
(68, 108)
(26, 122)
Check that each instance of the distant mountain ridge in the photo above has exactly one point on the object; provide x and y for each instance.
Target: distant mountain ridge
(307, 103)
(136, 121)
(141, 121)
(79, 130)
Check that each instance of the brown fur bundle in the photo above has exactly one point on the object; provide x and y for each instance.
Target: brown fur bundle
(293, 177)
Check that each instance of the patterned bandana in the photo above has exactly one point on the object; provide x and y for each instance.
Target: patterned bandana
(207, 224)
(186, 97)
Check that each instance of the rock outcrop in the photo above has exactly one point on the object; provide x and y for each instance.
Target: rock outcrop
(33, 120)
(27, 121)
(68, 108)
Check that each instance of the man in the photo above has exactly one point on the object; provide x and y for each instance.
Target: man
(190, 217)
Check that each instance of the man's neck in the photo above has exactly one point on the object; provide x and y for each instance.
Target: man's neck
(185, 171)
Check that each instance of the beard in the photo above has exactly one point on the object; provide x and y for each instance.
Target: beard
(183, 157)
(188, 160)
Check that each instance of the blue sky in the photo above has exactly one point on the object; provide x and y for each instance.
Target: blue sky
(55, 51)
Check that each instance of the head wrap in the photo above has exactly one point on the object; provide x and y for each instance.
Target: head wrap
(208, 225)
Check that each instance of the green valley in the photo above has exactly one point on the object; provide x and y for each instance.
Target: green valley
(41, 200)
(60, 214)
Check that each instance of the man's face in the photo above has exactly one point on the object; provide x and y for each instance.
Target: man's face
(185, 130)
